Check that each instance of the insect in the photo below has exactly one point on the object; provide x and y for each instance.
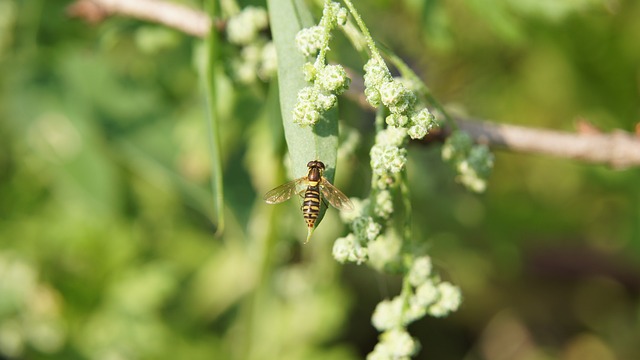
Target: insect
(316, 188)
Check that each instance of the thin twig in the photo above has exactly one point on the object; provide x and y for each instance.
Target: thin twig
(618, 148)
(179, 17)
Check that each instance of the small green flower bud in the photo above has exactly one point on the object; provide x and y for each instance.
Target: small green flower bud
(373, 230)
(481, 160)
(424, 118)
(404, 104)
(386, 155)
(383, 204)
(259, 16)
(347, 249)
(473, 163)
(325, 102)
(396, 96)
(387, 158)
(456, 146)
(380, 353)
(308, 94)
(391, 92)
(309, 71)
(384, 181)
(420, 270)
(365, 228)
(268, 61)
(243, 28)
(359, 255)
(470, 178)
(399, 343)
(391, 136)
(449, 300)
(373, 96)
(417, 132)
(375, 73)
(330, 14)
(333, 78)
(388, 314)
(310, 40)
(343, 247)
(341, 16)
(416, 310)
(305, 113)
(423, 121)
(426, 294)
(397, 120)
(384, 251)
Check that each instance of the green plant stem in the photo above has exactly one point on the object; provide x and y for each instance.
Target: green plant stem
(406, 202)
(380, 118)
(404, 69)
(213, 124)
(406, 291)
(363, 28)
(322, 55)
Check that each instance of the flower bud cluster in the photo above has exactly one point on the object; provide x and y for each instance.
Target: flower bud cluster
(388, 156)
(245, 27)
(421, 123)
(313, 39)
(429, 295)
(472, 162)
(385, 252)
(310, 40)
(348, 249)
(327, 81)
(396, 344)
(353, 247)
(365, 230)
(383, 204)
(382, 89)
(258, 54)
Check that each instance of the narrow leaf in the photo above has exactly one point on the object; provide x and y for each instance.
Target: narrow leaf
(308, 143)
(213, 125)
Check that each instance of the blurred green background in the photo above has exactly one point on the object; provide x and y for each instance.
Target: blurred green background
(107, 246)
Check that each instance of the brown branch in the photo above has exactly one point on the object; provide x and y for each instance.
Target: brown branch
(618, 149)
(179, 17)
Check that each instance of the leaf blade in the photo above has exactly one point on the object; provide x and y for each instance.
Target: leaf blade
(320, 142)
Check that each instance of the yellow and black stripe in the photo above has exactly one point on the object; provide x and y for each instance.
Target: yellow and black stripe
(311, 204)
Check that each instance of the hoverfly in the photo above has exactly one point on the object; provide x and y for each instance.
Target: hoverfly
(312, 185)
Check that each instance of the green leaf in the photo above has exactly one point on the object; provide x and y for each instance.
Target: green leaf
(213, 56)
(320, 142)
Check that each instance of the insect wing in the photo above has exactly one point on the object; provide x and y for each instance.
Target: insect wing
(335, 197)
(285, 191)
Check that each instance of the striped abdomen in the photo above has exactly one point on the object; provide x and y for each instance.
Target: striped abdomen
(311, 204)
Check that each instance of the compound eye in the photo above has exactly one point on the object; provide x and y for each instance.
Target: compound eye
(311, 164)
